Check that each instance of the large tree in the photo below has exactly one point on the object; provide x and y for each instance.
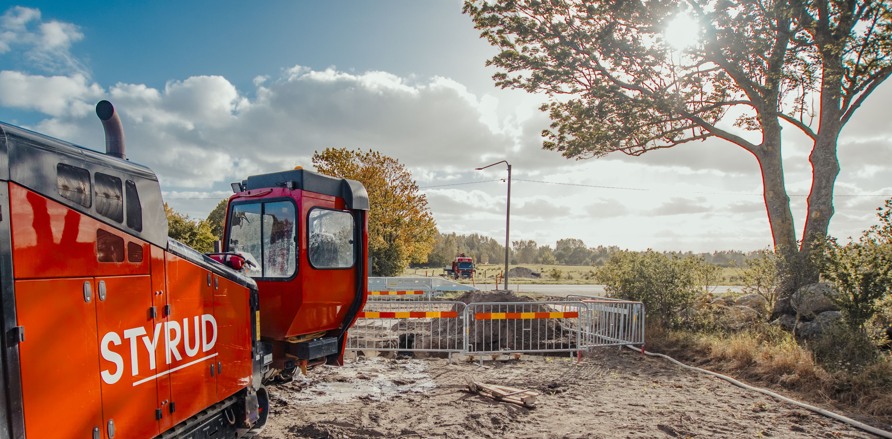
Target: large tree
(615, 84)
(194, 233)
(401, 227)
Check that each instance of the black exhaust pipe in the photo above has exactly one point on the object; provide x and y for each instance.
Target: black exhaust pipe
(114, 130)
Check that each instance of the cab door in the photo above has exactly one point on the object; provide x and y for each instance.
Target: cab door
(129, 369)
(60, 371)
(330, 262)
(190, 338)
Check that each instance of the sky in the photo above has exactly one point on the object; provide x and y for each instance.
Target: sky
(211, 92)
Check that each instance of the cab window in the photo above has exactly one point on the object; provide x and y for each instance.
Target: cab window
(264, 233)
(330, 238)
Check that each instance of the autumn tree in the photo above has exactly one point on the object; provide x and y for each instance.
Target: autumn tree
(401, 227)
(194, 233)
(614, 83)
(217, 219)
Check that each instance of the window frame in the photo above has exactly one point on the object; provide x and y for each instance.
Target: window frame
(296, 235)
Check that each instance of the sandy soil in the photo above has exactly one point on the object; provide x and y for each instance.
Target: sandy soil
(611, 394)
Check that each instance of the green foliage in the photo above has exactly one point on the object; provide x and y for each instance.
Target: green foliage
(524, 252)
(194, 233)
(556, 274)
(862, 273)
(389, 260)
(401, 226)
(546, 256)
(666, 285)
(572, 251)
(764, 274)
(484, 250)
(841, 349)
(861, 270)
(217, 219)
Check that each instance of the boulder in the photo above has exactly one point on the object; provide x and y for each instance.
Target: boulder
(737, 317)
(723, 300)
(813, 299)
(815, 328)
(753, 301)
(785, 321)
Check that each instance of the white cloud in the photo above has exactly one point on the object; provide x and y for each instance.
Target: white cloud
(45, 44)
(57, 96)
(200, 133)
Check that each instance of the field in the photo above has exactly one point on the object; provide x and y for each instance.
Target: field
(555, 274)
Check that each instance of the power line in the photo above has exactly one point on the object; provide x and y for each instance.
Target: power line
(640, 189)
(461, 184)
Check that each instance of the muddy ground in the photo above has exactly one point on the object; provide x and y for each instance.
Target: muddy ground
(611, 394)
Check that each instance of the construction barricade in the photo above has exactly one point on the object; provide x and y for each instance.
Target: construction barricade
(523, 327)
(495, 327)
(399, 295)
(406, 326)
(610, 322)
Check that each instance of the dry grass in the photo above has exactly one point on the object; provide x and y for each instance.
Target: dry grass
(768, 357)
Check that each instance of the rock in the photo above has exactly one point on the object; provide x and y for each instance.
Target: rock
(723, 300)
(815, 328)
(813, 299)
(785, 321)
(753, 301)
(737, 317)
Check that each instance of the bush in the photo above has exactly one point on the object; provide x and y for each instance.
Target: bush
(666, 285)
(861, 270)
(842, 349)
(764, 275)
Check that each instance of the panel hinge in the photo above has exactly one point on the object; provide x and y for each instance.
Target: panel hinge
(166, 310)
(153, 312)
(159, 414)
(172, 407)
(17, 334)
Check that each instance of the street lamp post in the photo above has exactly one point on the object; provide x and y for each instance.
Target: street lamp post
(507, 217)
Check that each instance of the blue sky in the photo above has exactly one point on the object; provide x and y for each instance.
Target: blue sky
(213, 91)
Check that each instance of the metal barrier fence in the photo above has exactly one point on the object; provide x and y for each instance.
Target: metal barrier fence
(503, 327)
(431, 285)
(402, 295)
(610, 322)
(409, 327)
(496, 327)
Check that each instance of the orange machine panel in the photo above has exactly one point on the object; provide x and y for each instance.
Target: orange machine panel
(51, 240)
(191, 337)
(60, 370)
(233, 311)
(129, 363)
(159, 300)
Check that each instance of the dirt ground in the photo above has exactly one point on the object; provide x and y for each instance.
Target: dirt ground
(611, 394)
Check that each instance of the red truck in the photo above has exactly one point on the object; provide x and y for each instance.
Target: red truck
(113, 330)
(462, 267)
